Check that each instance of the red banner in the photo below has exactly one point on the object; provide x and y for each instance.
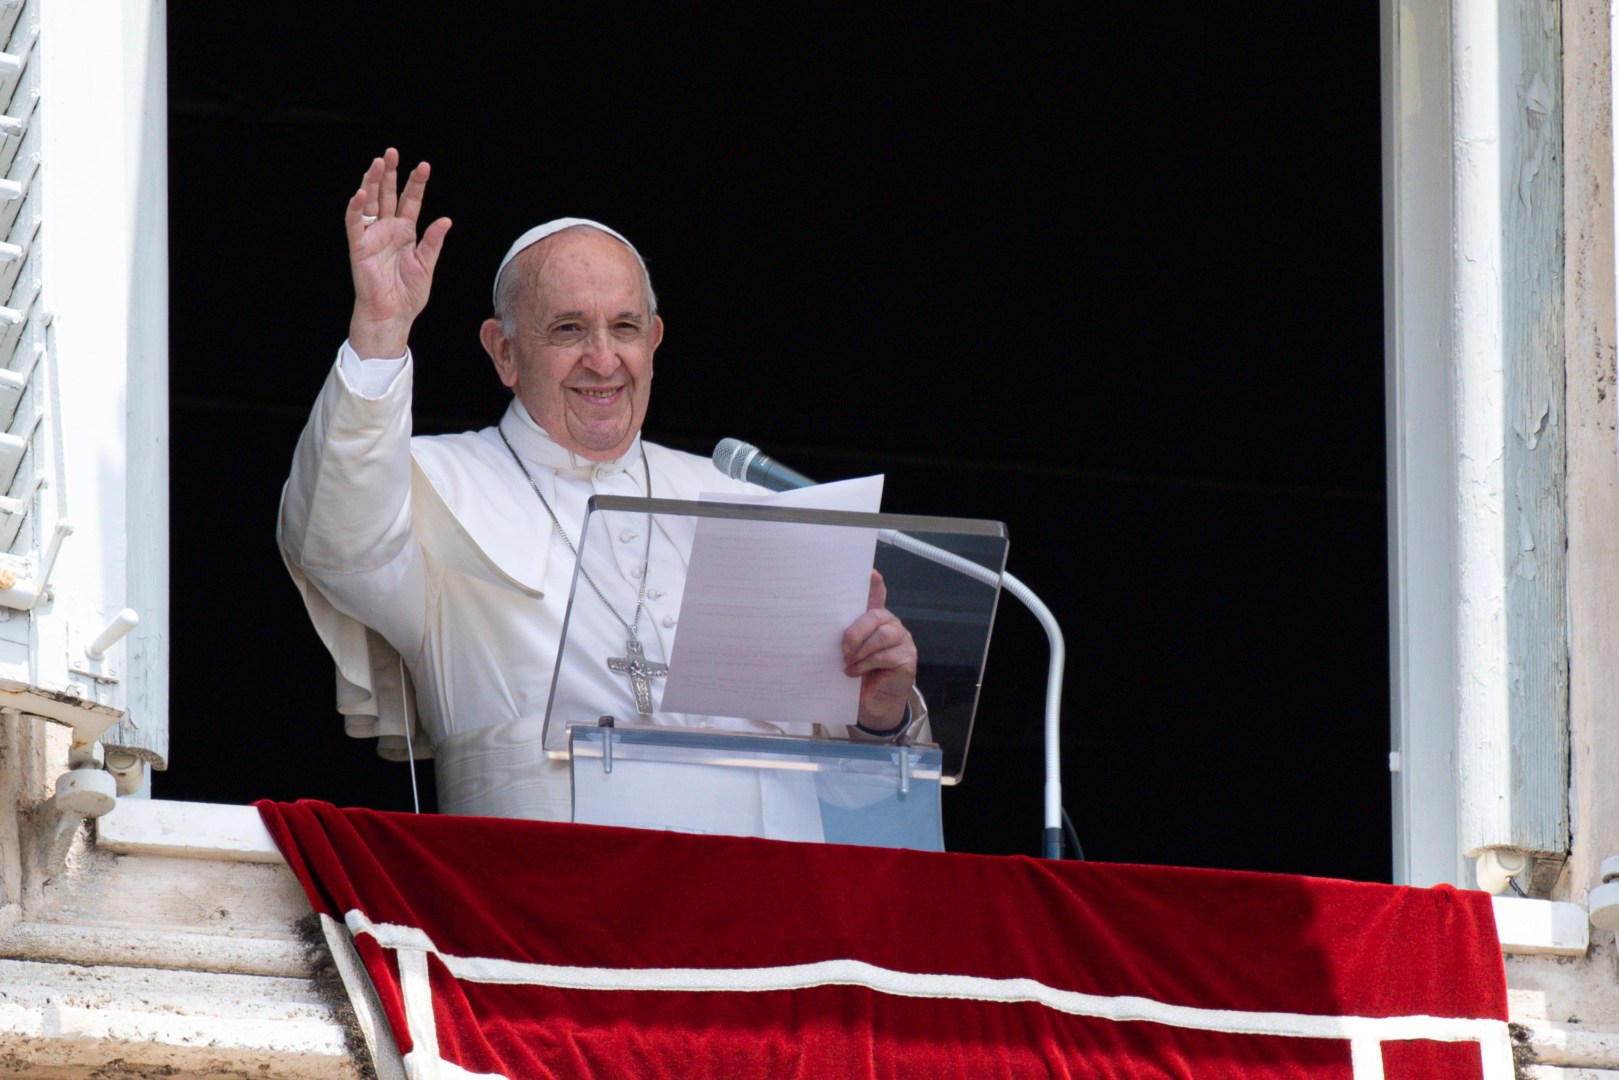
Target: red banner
(533, 950)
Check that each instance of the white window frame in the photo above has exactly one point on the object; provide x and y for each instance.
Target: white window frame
(1474, 359)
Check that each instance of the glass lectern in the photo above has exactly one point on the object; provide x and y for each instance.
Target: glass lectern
(747, 724)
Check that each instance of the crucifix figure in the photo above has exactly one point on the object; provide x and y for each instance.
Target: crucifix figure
(641, 672)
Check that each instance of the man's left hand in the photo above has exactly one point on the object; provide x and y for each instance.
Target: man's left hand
(880, 652)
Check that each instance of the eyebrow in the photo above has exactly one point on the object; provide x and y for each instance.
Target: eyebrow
(627, 313)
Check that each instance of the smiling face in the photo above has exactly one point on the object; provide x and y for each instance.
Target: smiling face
(576, 347)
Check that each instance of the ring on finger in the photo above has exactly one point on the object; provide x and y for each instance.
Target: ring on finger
(367, 219)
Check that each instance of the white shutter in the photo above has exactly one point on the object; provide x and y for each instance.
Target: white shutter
(83, 366)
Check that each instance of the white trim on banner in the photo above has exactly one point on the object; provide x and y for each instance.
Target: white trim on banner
(1365, 1034)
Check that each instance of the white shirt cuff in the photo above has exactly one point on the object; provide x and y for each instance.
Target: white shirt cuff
(369, 378)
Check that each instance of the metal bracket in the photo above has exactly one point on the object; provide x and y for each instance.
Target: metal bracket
(89, 661)
(606, 722)
(93, 671)
(24, 594)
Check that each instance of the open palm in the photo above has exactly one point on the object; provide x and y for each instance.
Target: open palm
(391, 266)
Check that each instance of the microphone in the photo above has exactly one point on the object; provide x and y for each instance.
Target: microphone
(744, 461)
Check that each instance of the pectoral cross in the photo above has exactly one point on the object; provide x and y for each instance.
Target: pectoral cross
(641, 672)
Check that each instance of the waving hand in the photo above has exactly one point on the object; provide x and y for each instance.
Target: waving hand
(392, 268)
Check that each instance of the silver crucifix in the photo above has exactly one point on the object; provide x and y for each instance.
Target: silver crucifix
(641, 672)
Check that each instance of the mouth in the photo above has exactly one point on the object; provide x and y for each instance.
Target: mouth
(599, 393)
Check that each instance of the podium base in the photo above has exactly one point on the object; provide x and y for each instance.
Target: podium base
(776, 787)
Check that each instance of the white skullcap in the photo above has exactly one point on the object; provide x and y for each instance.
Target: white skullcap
(540, 232)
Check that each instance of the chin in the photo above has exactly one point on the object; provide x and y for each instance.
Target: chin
(604, 447)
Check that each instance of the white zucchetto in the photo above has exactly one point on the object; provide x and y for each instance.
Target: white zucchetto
(540, 232)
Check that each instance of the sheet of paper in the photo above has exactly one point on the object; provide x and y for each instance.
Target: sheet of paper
(765, 607)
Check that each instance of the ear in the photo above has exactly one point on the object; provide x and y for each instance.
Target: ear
(655, 338)
(499, 348)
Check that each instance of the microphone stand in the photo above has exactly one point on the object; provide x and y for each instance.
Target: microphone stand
(744, 461)
(1051, 837)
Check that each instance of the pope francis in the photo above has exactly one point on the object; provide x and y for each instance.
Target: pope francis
(437, 569)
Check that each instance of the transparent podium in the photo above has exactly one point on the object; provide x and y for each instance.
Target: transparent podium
(755, 747)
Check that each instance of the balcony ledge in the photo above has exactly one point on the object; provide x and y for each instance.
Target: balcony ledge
(172, 945)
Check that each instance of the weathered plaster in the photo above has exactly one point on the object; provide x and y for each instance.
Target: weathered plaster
(1568, 1007)
(149, 964)
(1593, 472)
(1512, 758)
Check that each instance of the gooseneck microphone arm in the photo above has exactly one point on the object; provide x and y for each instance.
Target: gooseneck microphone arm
(742, 461)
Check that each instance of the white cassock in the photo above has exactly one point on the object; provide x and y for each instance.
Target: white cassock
(433, 557)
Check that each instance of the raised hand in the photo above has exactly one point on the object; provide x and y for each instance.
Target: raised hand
(392, 268)
(878, 649)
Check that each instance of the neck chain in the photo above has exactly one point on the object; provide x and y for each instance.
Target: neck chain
(634, 663)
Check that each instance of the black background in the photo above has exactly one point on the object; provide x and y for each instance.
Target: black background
(1107, 273)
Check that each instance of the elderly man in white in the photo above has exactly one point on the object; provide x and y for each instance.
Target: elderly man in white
(437, 569)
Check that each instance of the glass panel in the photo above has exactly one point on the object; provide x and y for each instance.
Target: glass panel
(942, 577)
(811, 790)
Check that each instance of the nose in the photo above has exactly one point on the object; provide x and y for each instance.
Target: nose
(599, 355)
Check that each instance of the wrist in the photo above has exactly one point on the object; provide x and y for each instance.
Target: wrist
(890, 732)
(378, 340)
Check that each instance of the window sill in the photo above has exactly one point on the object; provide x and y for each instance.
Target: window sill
(192, 830)
(235, 834)
(1541, 927)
